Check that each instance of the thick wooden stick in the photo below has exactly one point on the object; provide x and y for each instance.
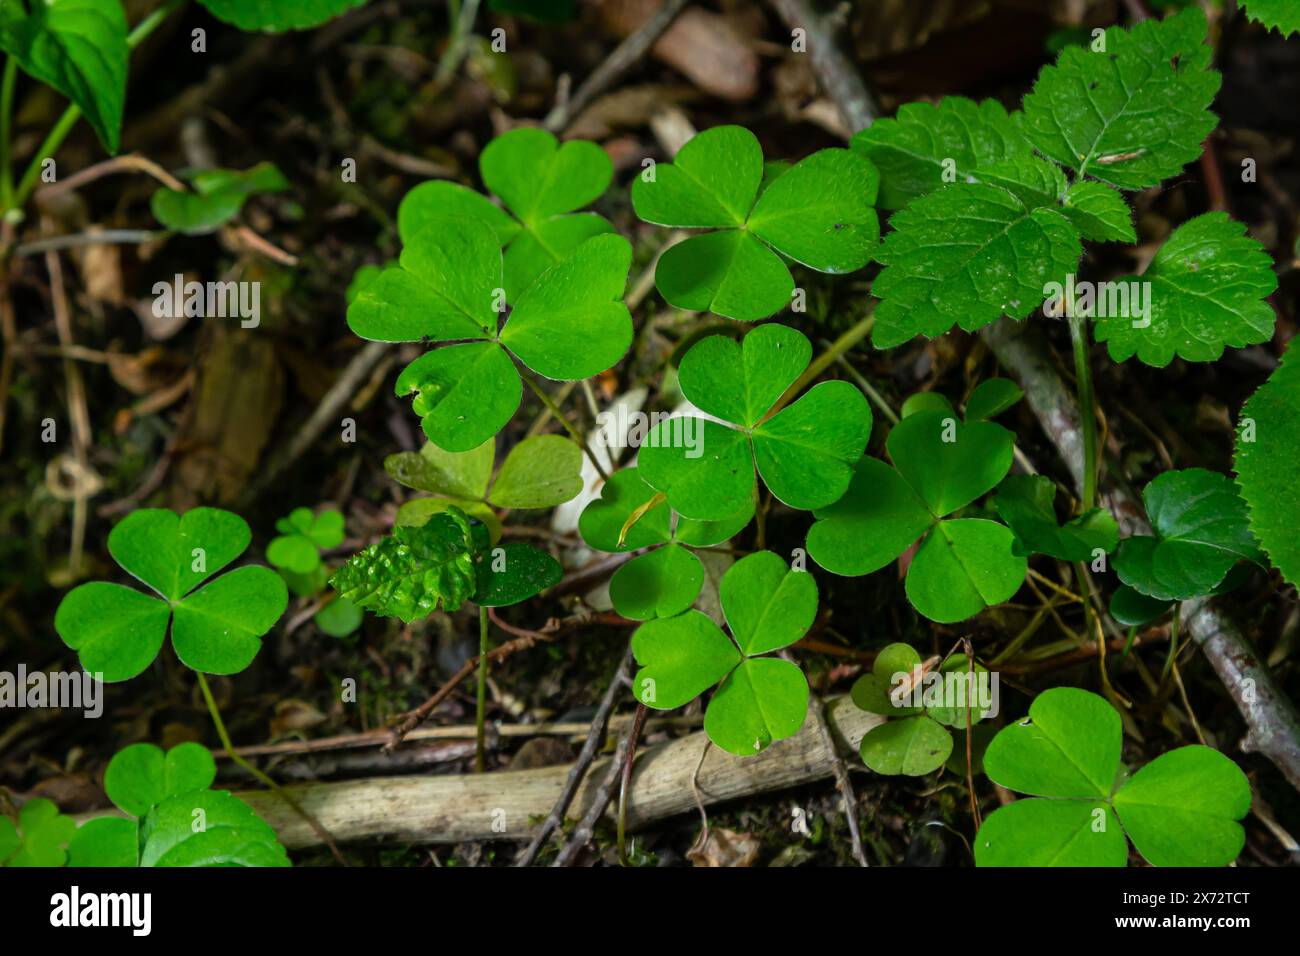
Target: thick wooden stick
(507, 805)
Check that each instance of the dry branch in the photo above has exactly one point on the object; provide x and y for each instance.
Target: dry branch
(507, 805)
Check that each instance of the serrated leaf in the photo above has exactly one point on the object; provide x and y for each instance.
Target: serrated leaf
(514, 572)
(912, 746)
(1201, 531)
(417, 511)
(1051, 833)
(1134, 113)
(1025, 503)
(79, 48)
(910, 150)
(1266, 465)
(540, 472)
(660, 583)
(276, 16)
(413, 571)
(1099, 213)
(966, 255)
(1205, 290)
(1280, 15)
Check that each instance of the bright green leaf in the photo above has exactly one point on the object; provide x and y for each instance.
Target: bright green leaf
(660, 583)
(768, 605)
(1051, 833)
(217, 197)
(276, 16)
(1068, 746)
(763, 700)
(218, 629)
(875, 521)
(1099, 213)
(680, 658)
(461, 474)
(949, 463)
(232, 834)
(1280, 15)
(912, 746)
(962, 566)
(540, 472)
(1025, 503)
(465, 394)
(105, 842)
(991, 398)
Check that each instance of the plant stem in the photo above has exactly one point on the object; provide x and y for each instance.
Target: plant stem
(480, 726)
(6, 130)
(259, 775)
(1087, 408)
(559, 416)
(59, 133)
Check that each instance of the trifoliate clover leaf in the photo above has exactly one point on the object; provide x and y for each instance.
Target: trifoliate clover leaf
(207, 828)
(1280, 15)
(276, 16)
(926, 146)
(40, 837)
(1179, 810)
(216, 628)
(1025, 503)
(1268, 435)
(819, 212)
(541, 182)
(940, 466)
(79, 48)
(1205, 289)
(1200, 531)
(1098, 212)
(966, 255)
(1132, 112)
(629, 515)
(540, 472)
(415, 570)
(570, 324)
(217, 197)
(303, 536)
(760, 699)
(512, 573)
(804, 452)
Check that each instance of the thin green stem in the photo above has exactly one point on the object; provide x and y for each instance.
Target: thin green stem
(480, 724)
(6, 130)
(258, 774)
(73, 113)
(559, 416)
(1087, 408)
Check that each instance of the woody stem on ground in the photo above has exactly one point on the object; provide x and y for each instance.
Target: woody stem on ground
(16, 198)
(559, 416)
(263, 778)
(480, 726)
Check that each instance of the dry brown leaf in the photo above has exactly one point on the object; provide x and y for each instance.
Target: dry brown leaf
(723, 847)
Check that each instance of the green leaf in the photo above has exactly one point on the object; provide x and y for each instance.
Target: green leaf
(538, 178)
(962, 566)
(455, 474)
(41, 837)
(1267, 438)
(1025, 503)
(876, 520)
(1068, 746)
(1279, 15)
(1133, 114)
(804, 452)
(1131, 608)
(417, 511)
(763, 700)
(1099, 213)
(571, 323)
(217, 197)
(105, 842)
(949, 463)
(141, 776)
(465, 394)
(339, 617)
(207, 828)
(540, 472)
(514, 572)
(913, 746)
(603, 520)
(1205, 289)
(217, 628)
(818, 212)
(79, 48)
(1201, 531)
(294, 553)
(546, 243)
(680, 658)
(871, 691)
(768, 605)
(958, 695)
(966, 255)
(660, 583)
(991, 398)
(413, 571)
(1051, 833)
(425, 207)
(910, 150)
(1182, 808)
(276, 16)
